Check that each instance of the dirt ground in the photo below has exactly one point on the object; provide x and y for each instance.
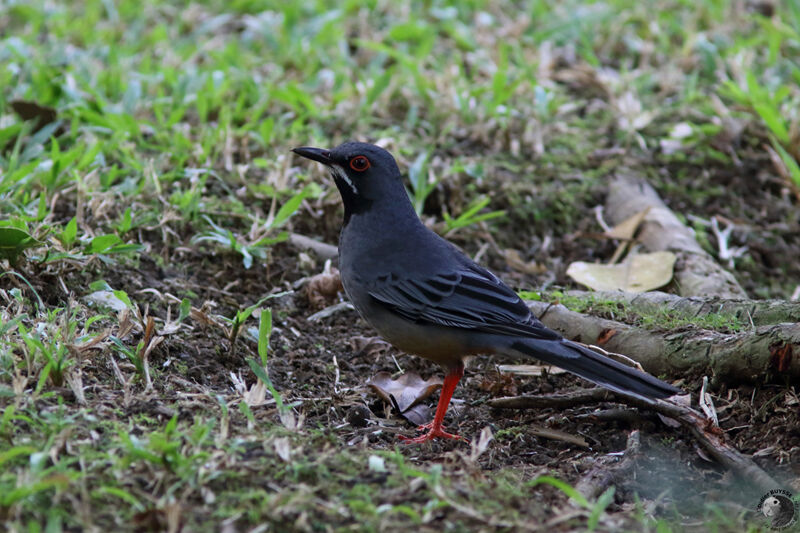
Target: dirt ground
(317, 365)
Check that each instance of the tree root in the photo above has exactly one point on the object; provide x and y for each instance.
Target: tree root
(752, 356)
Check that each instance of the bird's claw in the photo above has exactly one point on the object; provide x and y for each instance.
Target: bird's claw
(431, 434)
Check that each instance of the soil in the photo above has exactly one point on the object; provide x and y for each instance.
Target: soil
(315, 365)
(763, 420)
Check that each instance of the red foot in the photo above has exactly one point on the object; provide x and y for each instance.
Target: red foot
(432, 433)
(435, 428)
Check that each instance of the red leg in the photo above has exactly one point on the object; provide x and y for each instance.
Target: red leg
(435, 428)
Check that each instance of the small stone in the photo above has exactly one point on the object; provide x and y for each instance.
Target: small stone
(358, 416)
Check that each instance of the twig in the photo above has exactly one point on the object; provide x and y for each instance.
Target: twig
(322, 249)
(726, 252)
(615, 414)
(707, 404)
(554, 434)
(570, 399)
(336, 375)
(702, 429)
(330, 311)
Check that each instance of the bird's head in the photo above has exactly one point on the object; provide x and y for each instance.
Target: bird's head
(363, 173)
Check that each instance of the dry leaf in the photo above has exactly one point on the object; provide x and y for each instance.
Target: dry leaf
(683, 399)
(640, 273)
(626, 229)
(405, 391)
(418, 415)
(283, 448)
(478, 447)
(703, 455)
(582, 77)
(322, 289)
(515, 261)
(498, 384)
(370, 346)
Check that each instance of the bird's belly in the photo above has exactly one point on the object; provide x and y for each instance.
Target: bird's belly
(424, 341)
(443, 345)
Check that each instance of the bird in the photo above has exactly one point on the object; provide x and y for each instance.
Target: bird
(425, 297)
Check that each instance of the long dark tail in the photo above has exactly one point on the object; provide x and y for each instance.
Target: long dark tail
(596, 368)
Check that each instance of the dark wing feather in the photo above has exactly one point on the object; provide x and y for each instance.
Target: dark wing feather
(471, 298)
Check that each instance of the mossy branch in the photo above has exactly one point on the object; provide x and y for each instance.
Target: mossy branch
(754, 355)
(746, 312)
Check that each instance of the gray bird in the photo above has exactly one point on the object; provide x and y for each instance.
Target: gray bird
(427, 298)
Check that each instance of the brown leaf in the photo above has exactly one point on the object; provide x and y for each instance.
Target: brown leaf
(516, 262)
(405, 391)
(703, 454)
(499, 385)
(323, 288)
(669, 422)
(369, 346)
(418, 415)
(626, 229)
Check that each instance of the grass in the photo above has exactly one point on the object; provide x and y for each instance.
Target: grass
(662, 319)
(154, 137)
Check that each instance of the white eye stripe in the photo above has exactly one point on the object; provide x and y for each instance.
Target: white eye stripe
(339, 172)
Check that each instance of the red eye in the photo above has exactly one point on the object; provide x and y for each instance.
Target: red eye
(359, 163)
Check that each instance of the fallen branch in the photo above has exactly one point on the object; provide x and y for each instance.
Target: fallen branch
(322, 249)
(696, 272)
(705, 433)
(755, 312)
(749, 356)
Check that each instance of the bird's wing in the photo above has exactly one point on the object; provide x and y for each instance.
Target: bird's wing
(470, 298)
